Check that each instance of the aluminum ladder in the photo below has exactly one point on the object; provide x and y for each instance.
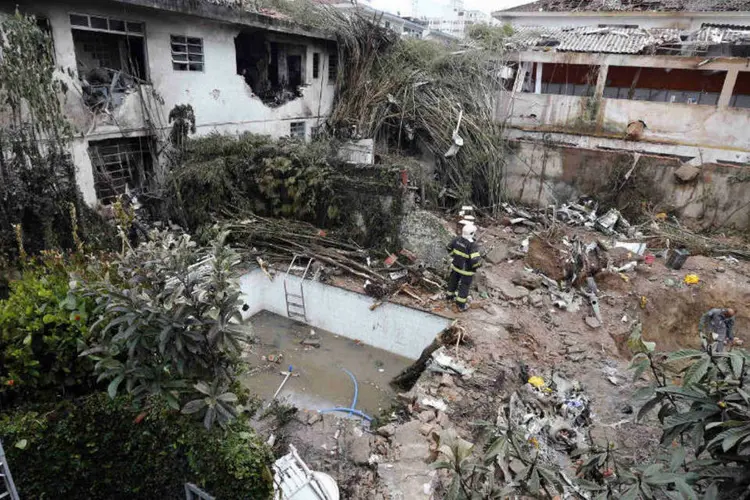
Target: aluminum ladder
(295, 302)
(7, 488)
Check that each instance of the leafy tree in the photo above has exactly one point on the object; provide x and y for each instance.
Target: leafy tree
(170, 325)
(42, 323)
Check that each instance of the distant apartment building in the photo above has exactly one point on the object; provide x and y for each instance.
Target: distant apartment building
(457, 23)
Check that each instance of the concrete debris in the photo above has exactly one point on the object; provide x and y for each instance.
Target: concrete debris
(527, 280)
(498, 254)
(442, 362)
(426, 416)
(436, 403)
(593, 322)
(687, 173)
(387, 430)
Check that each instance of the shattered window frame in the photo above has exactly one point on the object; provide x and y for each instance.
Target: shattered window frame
(189, 44)
(119, 165)
(297, 130)
(138, 28)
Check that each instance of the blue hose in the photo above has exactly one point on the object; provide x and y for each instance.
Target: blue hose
(348, 410)
(352, 409)
(356, 389)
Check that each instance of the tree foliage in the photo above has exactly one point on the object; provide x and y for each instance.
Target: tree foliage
(170, 324)
(101, 448)
(37, 175)
(42, 324)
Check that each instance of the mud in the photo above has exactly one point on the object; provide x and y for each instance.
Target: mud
(319, 381)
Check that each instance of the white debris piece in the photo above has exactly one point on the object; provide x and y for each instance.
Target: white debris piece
(636, 248)
(435, 403)
(445, 363)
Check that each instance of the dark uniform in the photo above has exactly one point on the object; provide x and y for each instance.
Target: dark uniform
(466, 260)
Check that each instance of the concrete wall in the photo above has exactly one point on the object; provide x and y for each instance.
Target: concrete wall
(539, 173)
(397, 329)
(221, 99)
(666, 123)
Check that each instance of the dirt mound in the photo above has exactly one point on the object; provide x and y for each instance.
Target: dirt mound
(543, 257)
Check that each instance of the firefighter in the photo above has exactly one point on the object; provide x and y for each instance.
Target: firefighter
(466, 260)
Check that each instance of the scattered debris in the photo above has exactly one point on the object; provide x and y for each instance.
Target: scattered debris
(442, 362)
(593, 322)
(436, 403)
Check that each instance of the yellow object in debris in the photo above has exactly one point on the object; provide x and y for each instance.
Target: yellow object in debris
(692, 279)
(537, 382)
(660, 216)
(624, 277)
(644, 301)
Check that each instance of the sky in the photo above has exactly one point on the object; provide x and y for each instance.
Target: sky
(433, 7)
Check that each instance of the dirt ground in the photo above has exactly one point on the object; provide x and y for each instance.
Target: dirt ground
(515, 329)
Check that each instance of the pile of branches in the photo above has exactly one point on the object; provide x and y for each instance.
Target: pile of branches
(280, 240)
(680, 237)
(410, 94)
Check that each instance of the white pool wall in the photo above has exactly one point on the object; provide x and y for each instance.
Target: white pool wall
(392, 327)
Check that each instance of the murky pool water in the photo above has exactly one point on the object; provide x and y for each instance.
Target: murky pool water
(319, 381)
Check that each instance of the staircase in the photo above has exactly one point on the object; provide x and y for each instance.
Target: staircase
(7, 488)
(295, 299)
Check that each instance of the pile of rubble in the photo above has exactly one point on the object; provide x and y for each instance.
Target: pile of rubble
(581, 213)
(553, 417)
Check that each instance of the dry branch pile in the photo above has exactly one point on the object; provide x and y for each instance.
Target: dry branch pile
(282, 239)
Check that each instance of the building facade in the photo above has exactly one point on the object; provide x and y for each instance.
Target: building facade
(129, 63)
(668, 83)
(458, 22)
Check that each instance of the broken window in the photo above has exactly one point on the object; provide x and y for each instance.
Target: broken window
(685, 86)
(316, 65)
(741, 93)
(110, 58)
(187, 53)
(564, 79)
(297, 130)
(274, 70)
(120, 165)
(333, 67)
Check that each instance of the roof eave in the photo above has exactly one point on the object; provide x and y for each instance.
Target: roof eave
(630, 13)
(230, 15)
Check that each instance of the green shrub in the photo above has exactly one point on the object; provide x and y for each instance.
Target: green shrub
(42, 323)
(98, 448)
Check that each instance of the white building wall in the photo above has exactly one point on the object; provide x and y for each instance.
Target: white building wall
(221, 99)
(391, 327)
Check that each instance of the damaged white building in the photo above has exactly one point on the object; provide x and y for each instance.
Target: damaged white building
(128, 63)
(663, 84)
